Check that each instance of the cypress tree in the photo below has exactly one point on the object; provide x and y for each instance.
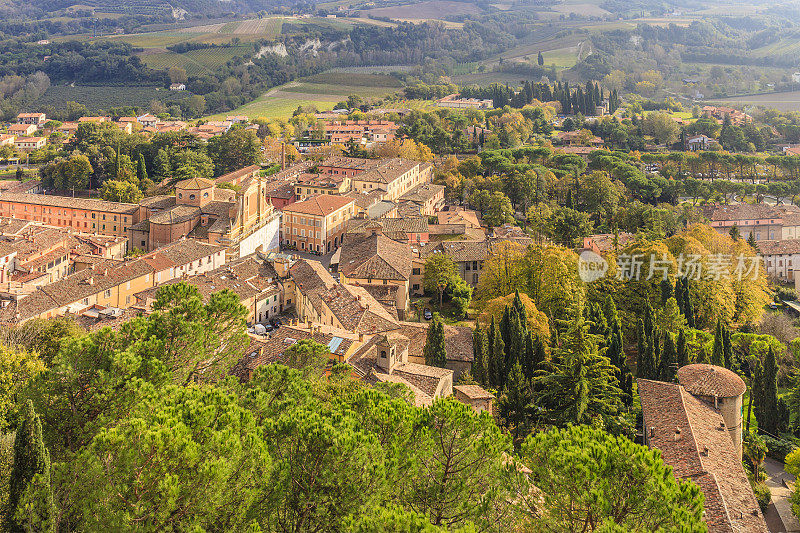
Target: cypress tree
(688, 303)
(515, 405)
(516, 347)
(498, 353)
(682, 350)
(669, 359)
(141, 169)
(30, 458)
(666, 291)
(478, 355)
(757, 394)
(642, 369)
(769, 395)
(679, 296)
(751, 240)
(727, 349)
(717, 357)
(435, 352)
(490, 342)
(702, 355)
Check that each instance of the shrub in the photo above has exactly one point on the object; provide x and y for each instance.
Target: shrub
(763, 495)
(778, 448)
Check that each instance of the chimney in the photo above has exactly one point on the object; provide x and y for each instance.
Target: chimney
(90, 281)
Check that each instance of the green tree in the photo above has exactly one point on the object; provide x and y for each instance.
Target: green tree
(141, 170)
(234, 149)
(586, 478)
(734, 233)
(499, 210)
(308, 356)
(120, 191)
(540, 59)
(682, 351)
(17, 367)
(346, 476)
(479, 370)
(768, 415)
(187, 458)
(668, 359)
(717, 355)
(194, 340)
(31, 467)
(439, 274)
(434, 351)
(515, 406)
(463, 480)
(566, 226)
(582, 384)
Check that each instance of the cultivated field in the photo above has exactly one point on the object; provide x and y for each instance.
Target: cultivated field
(104, 97)
(782, 101)
(433, 10)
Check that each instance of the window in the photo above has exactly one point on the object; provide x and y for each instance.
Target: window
(205, 195)
(107, 294)
(180, 195)
(415, 287)
(191, 197)
(415, 271)
(115, 218)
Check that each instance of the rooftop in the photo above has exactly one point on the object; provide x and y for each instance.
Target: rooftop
(375, 257)
(65, 201)
(321, 205)
(709, 380)
(693, 439)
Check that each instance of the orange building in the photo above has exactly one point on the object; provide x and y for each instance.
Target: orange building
(318, 223)
(81, 214)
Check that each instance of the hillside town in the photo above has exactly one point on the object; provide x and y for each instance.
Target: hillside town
(353, 251)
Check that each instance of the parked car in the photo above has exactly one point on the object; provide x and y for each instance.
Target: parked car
(268, 327)
(427, 314)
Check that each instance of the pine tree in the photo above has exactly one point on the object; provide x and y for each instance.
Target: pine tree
(478, 355)
(435, 352)
(682, 350)
(30, 458)
(669, 359)
(717, 356)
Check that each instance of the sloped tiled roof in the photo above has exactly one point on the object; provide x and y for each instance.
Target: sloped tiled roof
(320, 205)
(375, 257)
(693, 439)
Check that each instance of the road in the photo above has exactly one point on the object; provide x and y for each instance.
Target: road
(779, 514)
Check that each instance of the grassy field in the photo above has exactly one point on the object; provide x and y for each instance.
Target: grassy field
(322, 91)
